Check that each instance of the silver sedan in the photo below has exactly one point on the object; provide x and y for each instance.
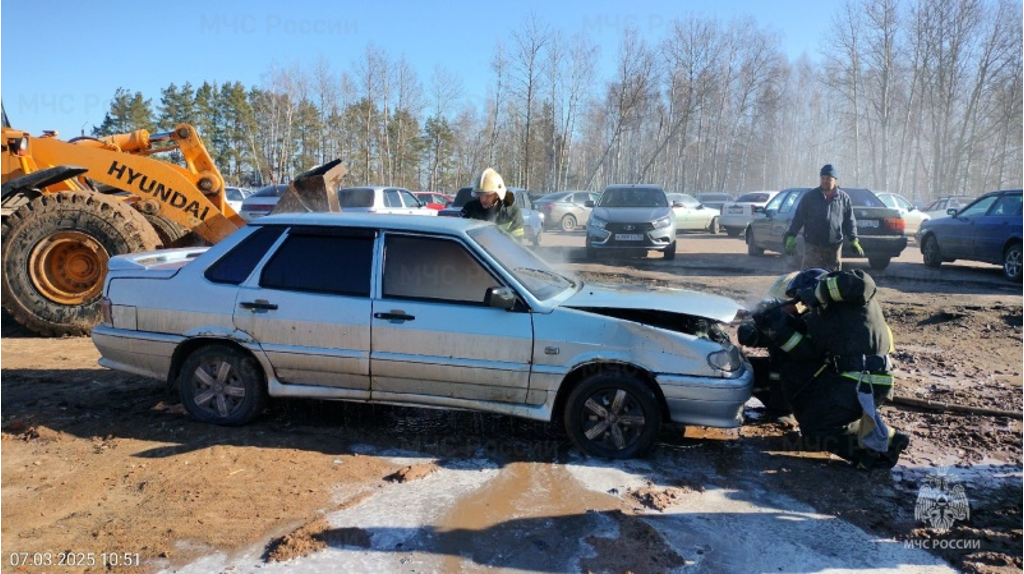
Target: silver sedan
(429, 311)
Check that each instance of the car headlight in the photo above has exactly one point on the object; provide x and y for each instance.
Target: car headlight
(728, 359)
(663, 223)
(597, 223)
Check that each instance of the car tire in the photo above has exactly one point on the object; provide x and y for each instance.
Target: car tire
(591, 252)
(931, 252)
(752, 248)
(670, 252)
(612, 415)
(568, 223)
(879, 262)
(732, 232)
(713, 227)
(1012, 262)
(222, 385)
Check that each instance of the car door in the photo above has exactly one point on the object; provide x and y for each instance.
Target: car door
(686, 216)
(393, 202)
(433, 335)
(308, 307)
(993, 228)
(957, 239)
(779, 221)
(411, 204)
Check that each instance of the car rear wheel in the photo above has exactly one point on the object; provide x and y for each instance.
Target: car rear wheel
(1012, 262)
(931, 252)
(670, 252)
(220, 384)
(612, 415)
(713, 227)
(879, 262)
(752, 248)
(568, 223)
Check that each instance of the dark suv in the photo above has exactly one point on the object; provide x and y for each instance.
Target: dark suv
(880, 229)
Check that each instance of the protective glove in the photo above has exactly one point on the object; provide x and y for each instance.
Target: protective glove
(790, 247)
(857, 248)
(809, 296)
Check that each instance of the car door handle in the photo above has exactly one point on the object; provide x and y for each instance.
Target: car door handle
(259, 305)
(395, 315)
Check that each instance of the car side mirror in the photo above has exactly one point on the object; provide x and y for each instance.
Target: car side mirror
(589, 203)
(500, 298)
(678, 204)
(951, 212)
(759, 209)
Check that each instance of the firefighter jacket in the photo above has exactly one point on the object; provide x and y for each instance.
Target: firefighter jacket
(845, 334)
(506, 216)
(826, 222)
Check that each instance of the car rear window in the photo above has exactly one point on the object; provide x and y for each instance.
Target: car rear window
(271, 191)
(753, 198)
(236, 265)
(863, 198)
(355, 197)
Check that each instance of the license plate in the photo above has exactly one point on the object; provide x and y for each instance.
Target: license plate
(628, 237)
(736, 209)
(867, 223)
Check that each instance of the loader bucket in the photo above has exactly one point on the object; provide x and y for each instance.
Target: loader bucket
(313, 191)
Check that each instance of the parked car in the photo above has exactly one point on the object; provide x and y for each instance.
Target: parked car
(988, 230)
(714, 200)
(433, 199)
(880, 229)
(566, 210)
(911, 214)
(533, 221)
(941, 206)
(737, 214)
(633, 218)
(692, 215)
(234, 196)
(381, 199)
(443, 312)
(262, 201)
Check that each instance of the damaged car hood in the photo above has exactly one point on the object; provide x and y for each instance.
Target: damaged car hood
(641, 297)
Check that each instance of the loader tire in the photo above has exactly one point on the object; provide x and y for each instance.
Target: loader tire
(54, 256)
(170, 233)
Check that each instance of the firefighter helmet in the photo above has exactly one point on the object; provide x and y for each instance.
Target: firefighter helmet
(489, 181)
(804, 279)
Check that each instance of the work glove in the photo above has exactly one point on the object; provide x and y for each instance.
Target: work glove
(790, 247)
(857, 248)
(809, 296)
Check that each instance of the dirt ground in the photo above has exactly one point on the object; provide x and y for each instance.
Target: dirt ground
(104, 470)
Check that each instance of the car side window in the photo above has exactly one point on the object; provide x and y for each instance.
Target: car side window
(409, 199)
(433, 269)
(776, 201)
(789, 202)
(1008, 205)
(337, 262)
(977, 208)
(236, 265)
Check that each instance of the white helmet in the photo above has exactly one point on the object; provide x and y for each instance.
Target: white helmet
(489, 181)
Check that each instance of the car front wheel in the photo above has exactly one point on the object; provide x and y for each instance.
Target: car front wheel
(931, 252)
(713, 227)
(612, 415)
(220, 384)
(670, 251)
(1012, 262)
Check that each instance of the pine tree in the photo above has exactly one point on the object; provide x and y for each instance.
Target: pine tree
(128, 112)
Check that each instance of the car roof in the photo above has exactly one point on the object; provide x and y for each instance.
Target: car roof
(634, 186)
(375, 221)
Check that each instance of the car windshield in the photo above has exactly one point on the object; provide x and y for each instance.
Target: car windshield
(633, 197)
(355, 197)
(531, 271)
(758, 197)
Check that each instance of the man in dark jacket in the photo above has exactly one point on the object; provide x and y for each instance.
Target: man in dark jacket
(826, 216)
(835, 366)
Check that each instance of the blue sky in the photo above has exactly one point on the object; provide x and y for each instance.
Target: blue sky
(61, 61)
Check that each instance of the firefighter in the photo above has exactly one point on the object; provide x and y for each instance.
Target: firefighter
(493, 202)
(835, 366)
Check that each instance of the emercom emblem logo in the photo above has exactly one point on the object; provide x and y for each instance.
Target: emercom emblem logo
(941, 502)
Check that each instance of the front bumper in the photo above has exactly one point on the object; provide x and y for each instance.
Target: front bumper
(704, 401)
(659, 239)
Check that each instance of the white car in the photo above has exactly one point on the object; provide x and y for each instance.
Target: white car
(429, 311)
(692, 215)
(234, 196)
(737, 214)
(381, 199)
(262, 201)
(913, 216)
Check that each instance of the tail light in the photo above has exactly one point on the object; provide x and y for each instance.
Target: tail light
(106, 313)
(894, 223)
